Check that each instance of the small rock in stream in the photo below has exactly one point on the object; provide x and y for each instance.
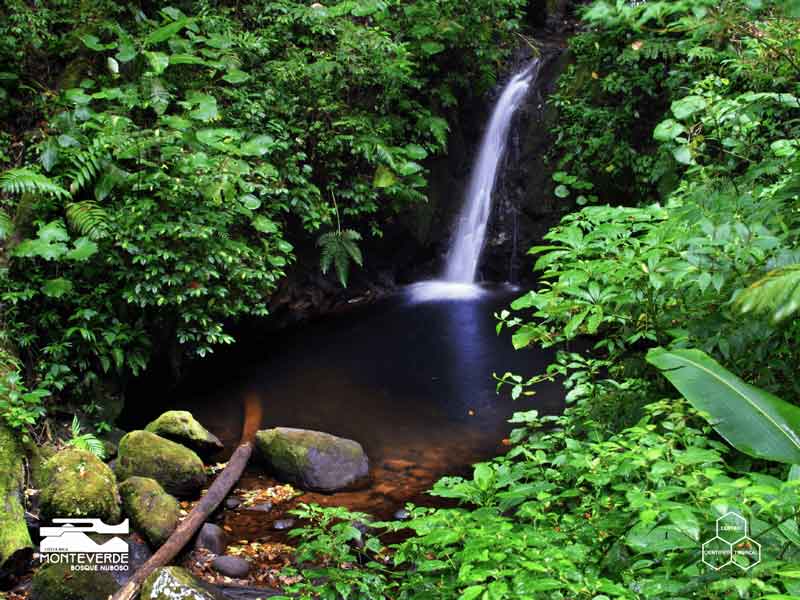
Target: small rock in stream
(231, 566)
(212, 538)
(232, 503)
(283, 524)
(402, 515)
(263, 507)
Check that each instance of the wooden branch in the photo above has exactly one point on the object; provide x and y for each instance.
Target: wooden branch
(199, 514)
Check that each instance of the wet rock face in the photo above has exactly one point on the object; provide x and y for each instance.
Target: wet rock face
(313, 460)
(524, 204)
(181, 427)
(178, 469)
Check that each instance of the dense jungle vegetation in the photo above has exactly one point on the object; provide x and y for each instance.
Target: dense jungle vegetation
(679, 129)
(160, 164)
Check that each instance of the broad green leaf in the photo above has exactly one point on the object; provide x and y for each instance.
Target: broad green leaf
(236, 76)
(668, 130)
(162, 34)
(683, 155)
(750, 419)
(384, 177)
(483, 476)
(158, 61)
(206, 107)
(562, 191)
(84, 248)
(257, 146)
(686, 107)
(264, 225)
(250, 202)
(221, 139)
(55, 288)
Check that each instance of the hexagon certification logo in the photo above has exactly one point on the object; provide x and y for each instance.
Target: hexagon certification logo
(731, 545)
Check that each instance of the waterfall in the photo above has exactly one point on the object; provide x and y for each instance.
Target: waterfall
(470, 234)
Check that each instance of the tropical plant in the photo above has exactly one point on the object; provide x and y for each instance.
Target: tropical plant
(85, 441)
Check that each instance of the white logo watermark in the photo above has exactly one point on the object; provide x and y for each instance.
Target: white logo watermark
(731, 545)
(69, 543)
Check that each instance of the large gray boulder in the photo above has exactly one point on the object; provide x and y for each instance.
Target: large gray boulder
(178, 469)
(313, 460)
(181, 427)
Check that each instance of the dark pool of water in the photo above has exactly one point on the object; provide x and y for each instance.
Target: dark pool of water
(412, 382)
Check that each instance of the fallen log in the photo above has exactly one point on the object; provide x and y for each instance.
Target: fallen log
(208, 503)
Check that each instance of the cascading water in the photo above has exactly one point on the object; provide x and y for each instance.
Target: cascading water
(470, 234)
(462, 260)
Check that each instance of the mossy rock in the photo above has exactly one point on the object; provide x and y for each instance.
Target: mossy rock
(313, 460)
(153, 512)
(181, 427)
(78, 484)
(178, 469)
(59, 582)
(16, 548)
(171, 583)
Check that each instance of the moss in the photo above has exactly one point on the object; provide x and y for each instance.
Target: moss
(78, 484)
(153, 512)
(285, 453)
(59, 582)
(15, 541)
(178, 469)
(172, 583)
(181, 427)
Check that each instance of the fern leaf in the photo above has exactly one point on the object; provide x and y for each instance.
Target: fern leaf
(21, 181)
(338, 249)
(6, 225)
(88, 218)
(778, 293)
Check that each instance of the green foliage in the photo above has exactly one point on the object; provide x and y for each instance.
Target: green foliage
(20, 407)
(336, 543)
(176, 148)
(338, 249)
(85, 441)
(571, 512)
(685, 116)
(751, 420)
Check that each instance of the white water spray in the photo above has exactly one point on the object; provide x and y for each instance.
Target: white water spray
(470, 233)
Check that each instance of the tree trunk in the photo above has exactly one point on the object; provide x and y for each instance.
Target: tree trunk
(16, 548)
(212, 499)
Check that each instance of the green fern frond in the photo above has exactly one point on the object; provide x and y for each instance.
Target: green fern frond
(87, 164)
(22, 181)
(778, 293)
(88, 218)
(6, 225)
(338, 249)
(87, 441)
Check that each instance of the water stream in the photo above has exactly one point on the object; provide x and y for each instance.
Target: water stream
(469, 237)
(409, 377)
